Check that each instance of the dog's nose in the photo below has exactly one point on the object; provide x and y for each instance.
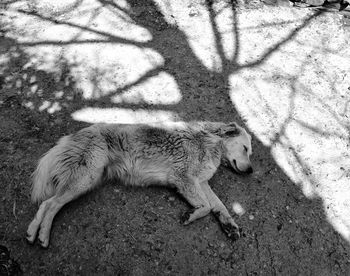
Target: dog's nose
(249, 170)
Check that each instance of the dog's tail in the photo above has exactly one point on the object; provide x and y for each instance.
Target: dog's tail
(75, 164)
(44, 185)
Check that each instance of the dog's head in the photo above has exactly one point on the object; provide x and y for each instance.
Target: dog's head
(238, 148)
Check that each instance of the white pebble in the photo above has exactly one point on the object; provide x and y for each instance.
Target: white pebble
(238, 209)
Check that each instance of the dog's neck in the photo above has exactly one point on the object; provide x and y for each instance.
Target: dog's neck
(223, 151)
(216, 147)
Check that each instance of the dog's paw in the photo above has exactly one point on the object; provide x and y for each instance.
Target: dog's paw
(232, 232)
(43, 244)
(30, 237)
(184, 218)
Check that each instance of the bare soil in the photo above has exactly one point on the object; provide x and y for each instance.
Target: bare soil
(116, 230)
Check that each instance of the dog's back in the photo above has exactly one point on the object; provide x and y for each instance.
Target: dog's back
(143, 155)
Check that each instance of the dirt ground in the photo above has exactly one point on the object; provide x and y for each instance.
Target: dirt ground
(117, 230)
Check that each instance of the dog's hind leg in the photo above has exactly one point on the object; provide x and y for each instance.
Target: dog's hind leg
(35, 224)
(54, 204)
(47, 209)
(193, 193)
(227, 223)
(50, 207)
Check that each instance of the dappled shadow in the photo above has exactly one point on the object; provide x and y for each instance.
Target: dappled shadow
(285, 232)
(172, 44)
(38, 89)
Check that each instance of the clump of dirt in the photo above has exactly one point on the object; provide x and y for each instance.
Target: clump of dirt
(7, 265)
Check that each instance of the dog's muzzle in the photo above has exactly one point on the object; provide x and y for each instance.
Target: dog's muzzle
(248, 170)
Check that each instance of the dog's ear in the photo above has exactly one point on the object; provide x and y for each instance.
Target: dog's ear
(228, 130)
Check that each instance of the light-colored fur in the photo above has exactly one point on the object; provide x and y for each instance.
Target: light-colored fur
(183, 157)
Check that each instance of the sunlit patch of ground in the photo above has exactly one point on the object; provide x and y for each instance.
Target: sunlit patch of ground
(122, 116)
(297, 104)
(288, 76)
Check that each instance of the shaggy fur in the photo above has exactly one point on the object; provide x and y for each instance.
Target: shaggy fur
(183, 157)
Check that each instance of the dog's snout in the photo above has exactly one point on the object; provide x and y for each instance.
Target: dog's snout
(245, 170)
(249, 170)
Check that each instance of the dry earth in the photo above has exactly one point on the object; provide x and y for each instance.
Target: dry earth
(280, 71)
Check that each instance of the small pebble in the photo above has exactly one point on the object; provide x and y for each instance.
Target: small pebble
(238, 209)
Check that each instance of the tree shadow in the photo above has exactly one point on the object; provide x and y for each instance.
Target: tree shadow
(285, 233)
(177, 55)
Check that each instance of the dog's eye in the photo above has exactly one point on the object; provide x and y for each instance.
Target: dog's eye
(245, 148)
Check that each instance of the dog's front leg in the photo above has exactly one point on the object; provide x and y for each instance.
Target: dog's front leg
(193, 193)
(227, 223)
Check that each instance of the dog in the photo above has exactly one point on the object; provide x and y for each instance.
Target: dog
(183, 157)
